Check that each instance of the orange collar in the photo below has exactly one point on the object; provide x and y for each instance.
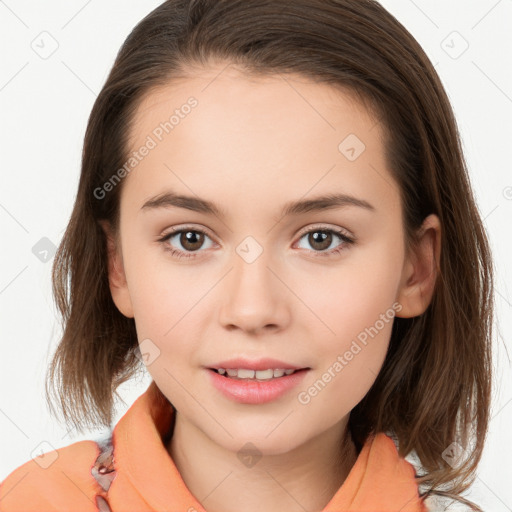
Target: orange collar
(148, 479)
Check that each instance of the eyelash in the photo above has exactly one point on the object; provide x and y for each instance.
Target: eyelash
(322, 254)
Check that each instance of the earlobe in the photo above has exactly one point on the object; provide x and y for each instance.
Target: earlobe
(421, 270)
(116, 275)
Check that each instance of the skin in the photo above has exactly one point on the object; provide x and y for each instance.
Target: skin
(251, 145)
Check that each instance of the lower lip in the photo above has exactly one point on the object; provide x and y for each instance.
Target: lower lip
(253, 391)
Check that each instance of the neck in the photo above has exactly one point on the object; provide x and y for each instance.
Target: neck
(305, 478)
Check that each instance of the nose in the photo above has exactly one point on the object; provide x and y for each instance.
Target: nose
(254, 297)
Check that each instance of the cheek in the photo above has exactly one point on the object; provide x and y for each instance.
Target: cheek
(168, 303)
(357, 303)
(352, 296)
(350, 359)
(159, 285)
(156, 305)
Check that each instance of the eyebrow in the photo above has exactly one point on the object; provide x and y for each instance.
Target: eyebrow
(171, 199)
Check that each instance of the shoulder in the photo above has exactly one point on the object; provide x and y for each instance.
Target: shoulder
(53, 481)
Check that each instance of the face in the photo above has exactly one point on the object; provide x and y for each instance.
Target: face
(316, 286)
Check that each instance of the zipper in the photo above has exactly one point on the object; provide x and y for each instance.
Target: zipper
(104, 472)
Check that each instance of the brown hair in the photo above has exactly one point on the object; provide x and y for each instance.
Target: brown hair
(435, 384)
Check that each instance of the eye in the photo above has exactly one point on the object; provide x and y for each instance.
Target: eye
(190, 240)
(321, 238)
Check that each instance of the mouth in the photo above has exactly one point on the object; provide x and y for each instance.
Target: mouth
(256, 387)
(256, 375)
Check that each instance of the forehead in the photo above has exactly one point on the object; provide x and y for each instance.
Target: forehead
(257, 135)
(257, 98)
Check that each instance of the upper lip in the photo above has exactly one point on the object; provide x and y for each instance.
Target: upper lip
(256, 364)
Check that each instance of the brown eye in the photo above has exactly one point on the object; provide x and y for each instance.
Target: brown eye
(191, 240)
(320, 240)
(183, 243)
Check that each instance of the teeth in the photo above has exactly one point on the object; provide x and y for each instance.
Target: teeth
(243, 373)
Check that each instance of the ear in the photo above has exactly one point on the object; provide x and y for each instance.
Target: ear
(421, 269)
(116, 275)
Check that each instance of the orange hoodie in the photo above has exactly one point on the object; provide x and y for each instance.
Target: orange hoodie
(147, 480)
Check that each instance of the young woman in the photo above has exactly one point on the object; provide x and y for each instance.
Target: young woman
(274, 217)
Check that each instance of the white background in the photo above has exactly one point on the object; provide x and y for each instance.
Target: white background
(45, 104)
